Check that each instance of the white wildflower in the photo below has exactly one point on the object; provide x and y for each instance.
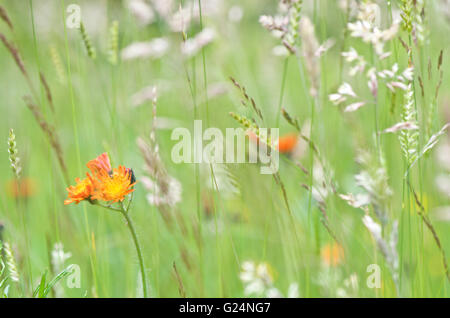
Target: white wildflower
(443, 155)
(141, 11)
(354, 107)
(373, 227)
(146, 94)
(59, 257)
(443, 184)
(357, 201)
(280, 50)
(367, 27)
(401, 126)
(293, 291)
(158, 196)
(324, 47)
(235, 13)
(193, 45)
(344, 91)
(222, 180)
(153, 49)
(256, 278)
(309, 48)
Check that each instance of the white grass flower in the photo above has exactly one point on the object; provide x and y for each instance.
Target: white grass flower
(293, 291)
(367, 27)
(163, 7)
(163, 189)
(257, 279)
(158, 196)
(337, 98)
(401, 126)
(442, 213)
(372, 83)
(193, 45)
(273, 293)
(354, 107)
(357, 201)
(443, 155)
(373, 178)
(280, 50)
(373, 227)
(443, 184)
(148, 93)
(180, 20)
(428, 146)
(324, 47)
(309, 48)
(59, 257)
(224, 180)
(434, 139)
(346, 89)
(235, 13)
(394, 80)
(275, 23)
(154, 49)
(141, 11)
(351, 55)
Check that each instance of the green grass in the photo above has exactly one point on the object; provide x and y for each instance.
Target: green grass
(93, 114)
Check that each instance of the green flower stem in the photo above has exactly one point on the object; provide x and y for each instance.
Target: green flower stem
(138, 248)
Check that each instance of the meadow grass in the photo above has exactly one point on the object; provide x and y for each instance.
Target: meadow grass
(310, 230)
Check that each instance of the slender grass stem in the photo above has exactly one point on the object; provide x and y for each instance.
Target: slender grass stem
(76, 138)
(283, 82)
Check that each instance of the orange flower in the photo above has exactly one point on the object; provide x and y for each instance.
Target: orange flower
(101, 163)
(105, 184)
(287, 143)
(23, 188)
(81, 191)
(332, 254)
(114, 187)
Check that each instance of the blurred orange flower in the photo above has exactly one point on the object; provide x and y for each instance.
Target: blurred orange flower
(22, 188)
(332, 254)
(286, 143)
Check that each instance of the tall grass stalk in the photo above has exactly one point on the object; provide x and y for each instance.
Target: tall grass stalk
(76, 139)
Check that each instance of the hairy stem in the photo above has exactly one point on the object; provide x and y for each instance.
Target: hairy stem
(130, 226)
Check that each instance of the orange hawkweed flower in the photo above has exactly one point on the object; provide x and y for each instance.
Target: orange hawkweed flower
(332, 254)
(22, 188)
(105, 184)
(81, 191)
(287, 143)
(101, 163)
(114, 187)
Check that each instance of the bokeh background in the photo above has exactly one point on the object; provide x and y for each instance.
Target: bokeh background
(96, 109)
